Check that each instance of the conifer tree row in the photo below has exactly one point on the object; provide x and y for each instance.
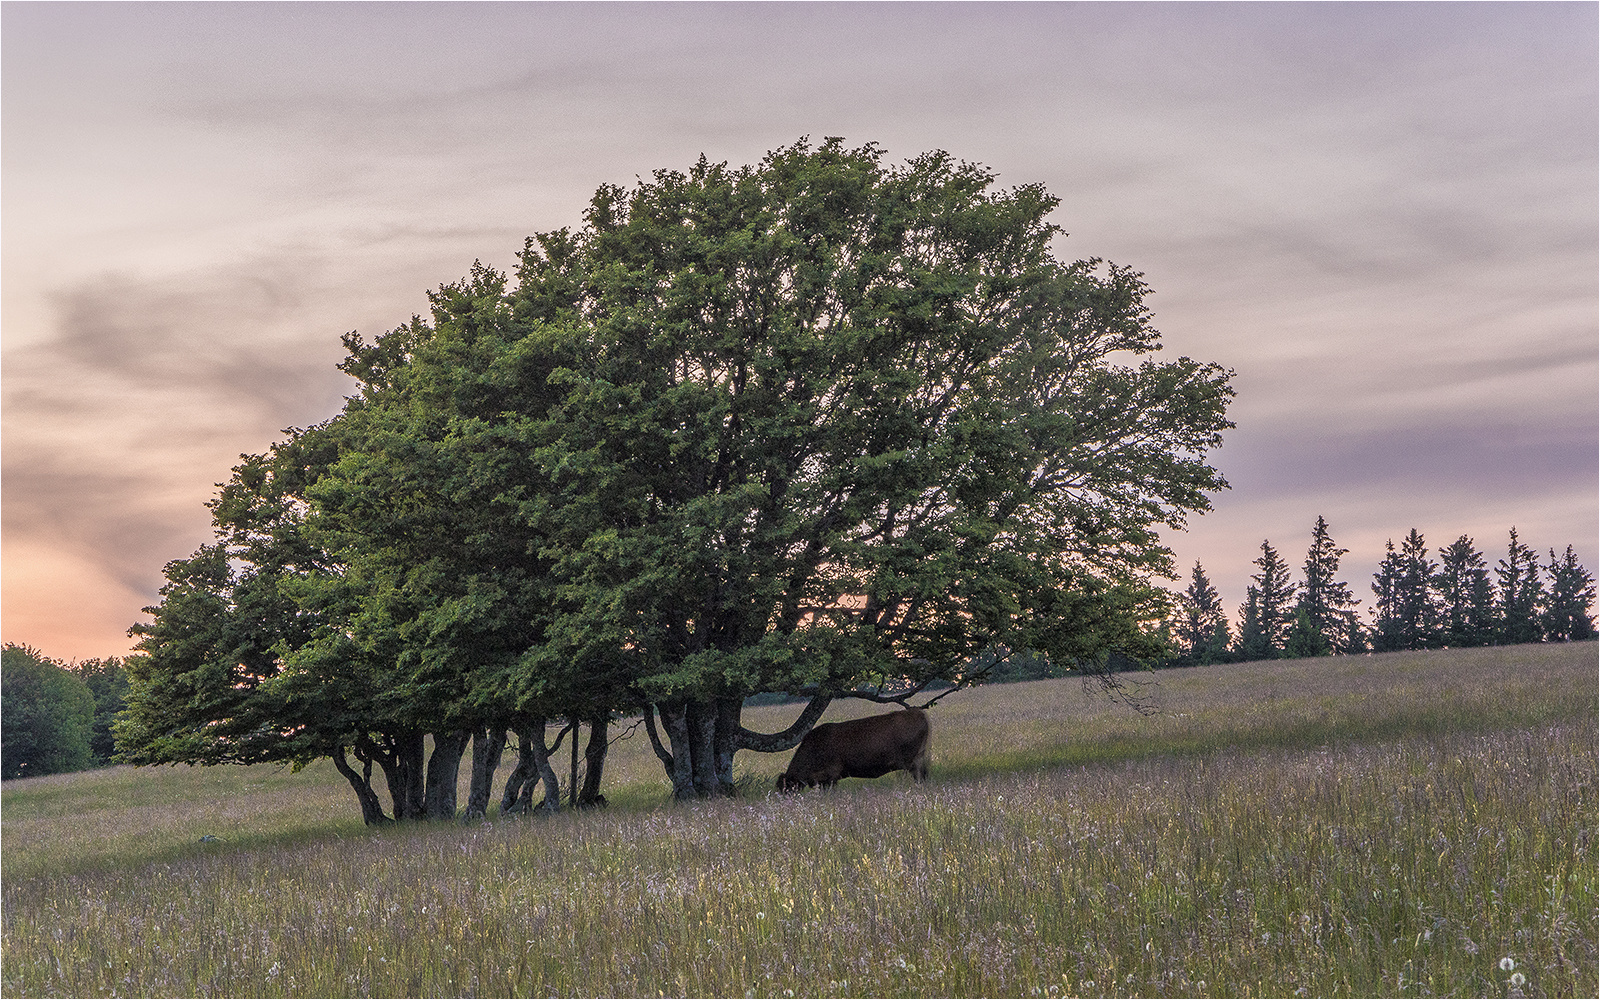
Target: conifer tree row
(1418, 603)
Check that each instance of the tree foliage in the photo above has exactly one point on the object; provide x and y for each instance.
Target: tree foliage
(48, 715)
(107, 680)
(1326, 603)
(1268, 611)
(1201, 629)
(1418, 603)
(1406, 611)
(1519, 594)
(1571, 595)
(822, 425)
(1465, 601)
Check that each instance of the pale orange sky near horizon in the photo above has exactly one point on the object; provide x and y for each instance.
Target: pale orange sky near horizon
(1383, 217)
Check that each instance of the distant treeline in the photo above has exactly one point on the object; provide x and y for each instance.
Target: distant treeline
(57, 716)
(1418, 603)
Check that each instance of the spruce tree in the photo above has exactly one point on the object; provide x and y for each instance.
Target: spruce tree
(1464, 598)
(1305, 639)
(1202, 627)
(1325, 601)
(1264, 624)
(1414, 603)
(1520, 597)
(1254, 643)
(1386, 625)
(1572, 594)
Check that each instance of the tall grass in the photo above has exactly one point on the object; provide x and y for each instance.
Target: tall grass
(1406, 825)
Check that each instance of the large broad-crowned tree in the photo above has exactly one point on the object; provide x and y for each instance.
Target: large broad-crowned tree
(823, 424)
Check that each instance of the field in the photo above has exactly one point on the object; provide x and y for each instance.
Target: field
(1400, 825)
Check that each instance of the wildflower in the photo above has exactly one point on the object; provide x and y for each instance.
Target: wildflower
(1517, 979)
(1506, 964)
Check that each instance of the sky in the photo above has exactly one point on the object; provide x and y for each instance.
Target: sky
(1382, 217)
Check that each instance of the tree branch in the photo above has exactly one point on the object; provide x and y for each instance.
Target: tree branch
(655, 738)
(745, 739)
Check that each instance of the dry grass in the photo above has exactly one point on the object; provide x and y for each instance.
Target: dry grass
(1396, 825)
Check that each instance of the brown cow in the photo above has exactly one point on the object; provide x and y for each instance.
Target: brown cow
(860, 748)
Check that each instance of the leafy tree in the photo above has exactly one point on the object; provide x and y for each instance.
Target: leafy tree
(48, 715)
(1328, 607)
(1572, 594)
(1520, 596)
(436, 510)
(828, 423)
(108, 682)
(1463, 595)
(211, 685)
(819, 425)
(1201, 625)
(1268, 611)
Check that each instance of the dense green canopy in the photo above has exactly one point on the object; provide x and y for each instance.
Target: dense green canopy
(812, 425)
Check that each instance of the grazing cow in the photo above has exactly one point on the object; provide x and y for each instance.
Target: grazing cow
(860, 748)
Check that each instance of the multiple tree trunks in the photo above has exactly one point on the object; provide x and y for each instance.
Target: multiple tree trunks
(703, 736)
(533, 766)
(429, 792)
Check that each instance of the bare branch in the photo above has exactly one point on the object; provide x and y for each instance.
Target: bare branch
(626, 734)
(1139, 695)
(552, 748)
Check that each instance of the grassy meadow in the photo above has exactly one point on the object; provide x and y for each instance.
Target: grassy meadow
(1399, 825)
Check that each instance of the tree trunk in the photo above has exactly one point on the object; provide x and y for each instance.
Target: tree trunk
(594, 763)
(675, 720)
(371, 808)
(541, 766)
(487, 745)
(572, 783)
(444, 771)
(533, 765)
(400, 756)
(705, 735)
(703, 744)
(662, 753)
(727, 731)
(521, 774)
